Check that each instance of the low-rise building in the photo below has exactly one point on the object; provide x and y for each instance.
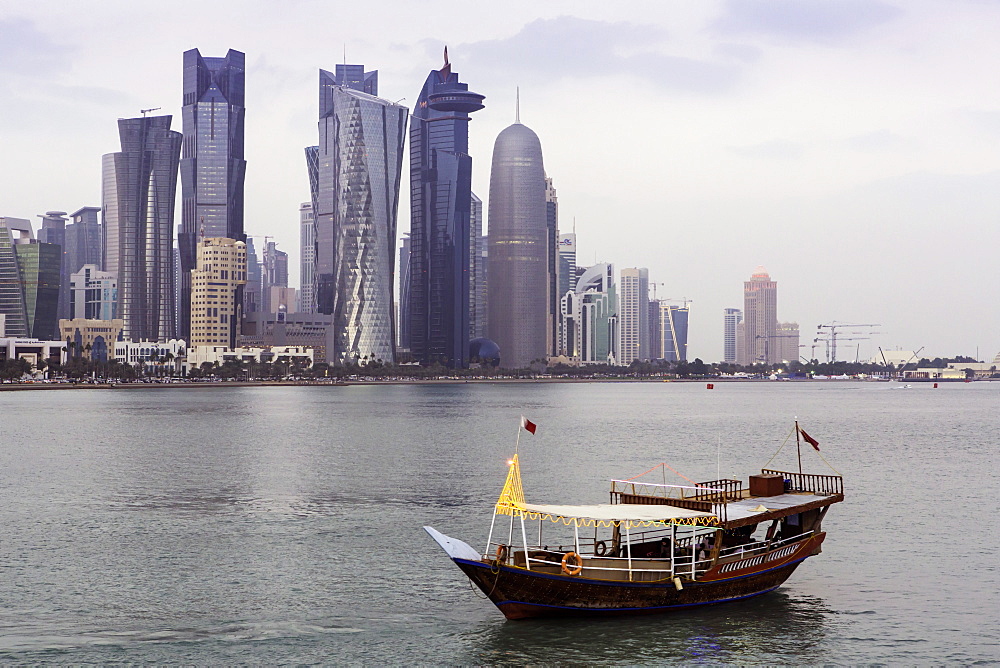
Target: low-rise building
(89, 338)
(200, 355)
(264, 330)
(32, 350)
(152, 356)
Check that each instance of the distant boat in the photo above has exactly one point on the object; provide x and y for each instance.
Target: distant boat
(654, 548)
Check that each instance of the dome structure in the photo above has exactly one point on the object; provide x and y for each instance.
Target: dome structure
(486, 351)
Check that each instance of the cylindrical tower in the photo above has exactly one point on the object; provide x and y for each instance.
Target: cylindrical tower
(517, 248)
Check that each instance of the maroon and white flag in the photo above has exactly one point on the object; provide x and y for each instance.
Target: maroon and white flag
(809, 439)
(528, 425)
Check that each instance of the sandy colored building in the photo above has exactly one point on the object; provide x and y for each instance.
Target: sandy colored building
(220, 271)
(91, 339)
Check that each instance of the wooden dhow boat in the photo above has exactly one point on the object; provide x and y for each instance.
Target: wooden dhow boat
(654, 548)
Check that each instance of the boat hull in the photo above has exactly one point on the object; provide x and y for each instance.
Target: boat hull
(519, 593)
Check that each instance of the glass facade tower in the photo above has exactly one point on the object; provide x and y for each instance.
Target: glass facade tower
(40, 265)
(212, 165)
(518, 248)
(140, 186)
(354, 173)
(441, 250)
(13, 232)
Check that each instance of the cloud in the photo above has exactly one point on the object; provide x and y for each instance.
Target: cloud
(776, 149)
(880, 140)
(28, 52)
(570, 47)
(810, 20)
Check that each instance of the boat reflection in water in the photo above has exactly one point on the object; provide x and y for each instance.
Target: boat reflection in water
(779, 628)
(654, 548)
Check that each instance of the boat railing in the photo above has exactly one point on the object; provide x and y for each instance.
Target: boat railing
(809, 482)
(685, 566)
(699, 496)
(757, 547)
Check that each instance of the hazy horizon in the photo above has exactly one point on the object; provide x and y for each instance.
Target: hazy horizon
(849, 147)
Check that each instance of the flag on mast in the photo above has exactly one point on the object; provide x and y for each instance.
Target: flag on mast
(809, 439)
(528, 425)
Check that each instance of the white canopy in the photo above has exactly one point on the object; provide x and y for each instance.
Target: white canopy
(605, 514)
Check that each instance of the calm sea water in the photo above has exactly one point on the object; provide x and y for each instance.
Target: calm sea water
(283, 525)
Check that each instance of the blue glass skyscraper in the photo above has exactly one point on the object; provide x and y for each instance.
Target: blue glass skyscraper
(440, 207)
(140, 185)
(212, 165)
(354, 174)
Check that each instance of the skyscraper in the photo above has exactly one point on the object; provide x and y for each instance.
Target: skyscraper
(13, 232)
(518, 248)
(253, 297)
(212, 165)
(441, 252)
(477, 289)
(552, 263)
(731, 318)
(40, 265)
(53, 231)
(590, 317)
(403, 338)
(673, 329)
(760, 308)
(307, 258)
(633, 316)
(83, 239)
(788, 341)
(139, 188)
(355, 175)
(274, 273)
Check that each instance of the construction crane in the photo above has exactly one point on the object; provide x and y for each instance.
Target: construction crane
(654, 289)
(831, 339)
(683, 300)
(146, 111)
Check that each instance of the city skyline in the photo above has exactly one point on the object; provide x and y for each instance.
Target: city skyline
(864, 162)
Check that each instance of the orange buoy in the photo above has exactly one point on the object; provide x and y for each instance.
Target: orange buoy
(710, 386)
(935, 386)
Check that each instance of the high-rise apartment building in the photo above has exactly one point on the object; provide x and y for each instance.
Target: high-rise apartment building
(441, 249)
(53, 231)
(212, 166)
(590, 317)
(13, 232)
(355, 175)
(633, 315)
(93, 294)
(760, 308)
(731, 318)
(220, 271)
(307, 258)
(139, 188)
(518, 248)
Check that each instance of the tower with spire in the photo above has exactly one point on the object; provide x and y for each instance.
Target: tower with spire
(436, 307)
(518, 247)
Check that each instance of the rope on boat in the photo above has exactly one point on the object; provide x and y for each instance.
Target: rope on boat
(782, 446)
(667, 466)
(779, 452)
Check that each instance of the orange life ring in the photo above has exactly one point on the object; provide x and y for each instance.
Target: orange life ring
(501, 554)
(577, 561)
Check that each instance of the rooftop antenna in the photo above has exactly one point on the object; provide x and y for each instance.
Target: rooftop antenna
(517, 106)
(345, 53)
(574, 224)
(146, 111)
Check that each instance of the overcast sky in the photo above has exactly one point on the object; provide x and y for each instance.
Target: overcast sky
(849, 147)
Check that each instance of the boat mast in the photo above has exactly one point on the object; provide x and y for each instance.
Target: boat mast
(798, 444)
